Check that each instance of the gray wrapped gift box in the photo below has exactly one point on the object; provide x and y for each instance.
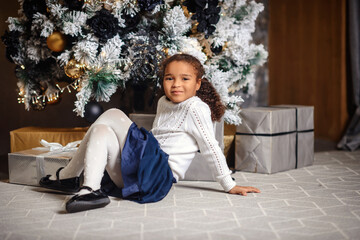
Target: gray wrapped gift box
(29, 166)
(198, 169)
(274, 139)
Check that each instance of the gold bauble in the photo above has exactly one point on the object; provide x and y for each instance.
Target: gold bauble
(186, 11)
(56, 42)
(194, 28)
(73, 69)
(166, 51)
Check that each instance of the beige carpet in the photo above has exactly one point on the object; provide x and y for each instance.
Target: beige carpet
(317, 202)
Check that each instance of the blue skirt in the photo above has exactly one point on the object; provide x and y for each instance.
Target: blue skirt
(145, 169)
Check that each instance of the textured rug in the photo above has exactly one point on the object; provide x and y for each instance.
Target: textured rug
(316, 202)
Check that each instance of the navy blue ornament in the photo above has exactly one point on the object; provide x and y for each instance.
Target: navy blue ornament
(104, 25)
(206, 12)
(92, 111)
(131, 22)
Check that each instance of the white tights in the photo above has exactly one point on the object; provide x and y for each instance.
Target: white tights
(100, 149)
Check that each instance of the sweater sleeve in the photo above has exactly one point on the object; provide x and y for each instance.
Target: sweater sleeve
(201, 127)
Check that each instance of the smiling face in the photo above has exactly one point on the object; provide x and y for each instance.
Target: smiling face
(180, 81)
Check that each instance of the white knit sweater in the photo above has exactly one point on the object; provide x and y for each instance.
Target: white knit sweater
(184, 128)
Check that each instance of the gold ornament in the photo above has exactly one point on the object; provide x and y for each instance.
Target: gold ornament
(194, 28)
(166, 51)
(206, 47)
(73, 69)
(56, 42)
(186, 12)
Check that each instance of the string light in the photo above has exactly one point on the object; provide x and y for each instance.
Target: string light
(51, 97)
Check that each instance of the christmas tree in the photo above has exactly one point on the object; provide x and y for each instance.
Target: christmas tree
(97, 46)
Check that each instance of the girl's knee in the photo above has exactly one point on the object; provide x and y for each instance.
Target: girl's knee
(117, 114)
(111, 114)
(113, 117)
(114, 110)
(100, 128)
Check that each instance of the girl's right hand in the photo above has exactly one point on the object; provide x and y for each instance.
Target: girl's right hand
(243, 190)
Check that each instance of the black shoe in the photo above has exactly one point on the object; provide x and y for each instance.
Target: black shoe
(92, 200)
(71, 185)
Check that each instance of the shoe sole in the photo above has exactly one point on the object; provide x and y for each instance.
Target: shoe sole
(60, 190)
(78, 206)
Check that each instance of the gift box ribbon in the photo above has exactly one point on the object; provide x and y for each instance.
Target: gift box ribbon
(52, 148)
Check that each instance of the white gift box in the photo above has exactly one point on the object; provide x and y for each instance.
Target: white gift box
(274, 139)
(199, 169)
(29, 166)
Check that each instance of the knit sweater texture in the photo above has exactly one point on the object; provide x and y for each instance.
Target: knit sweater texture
(182, 129)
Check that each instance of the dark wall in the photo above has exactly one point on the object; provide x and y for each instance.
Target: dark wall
(307, 63)
(14, 115)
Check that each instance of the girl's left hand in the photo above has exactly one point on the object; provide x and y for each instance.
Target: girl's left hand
(243, 190)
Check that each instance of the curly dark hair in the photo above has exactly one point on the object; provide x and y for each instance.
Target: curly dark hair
(207, 93)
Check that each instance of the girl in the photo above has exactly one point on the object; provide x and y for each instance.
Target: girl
(141, 165)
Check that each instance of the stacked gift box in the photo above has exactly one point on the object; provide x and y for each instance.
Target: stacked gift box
(32, 158)
(30, 137)
(274, 139)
